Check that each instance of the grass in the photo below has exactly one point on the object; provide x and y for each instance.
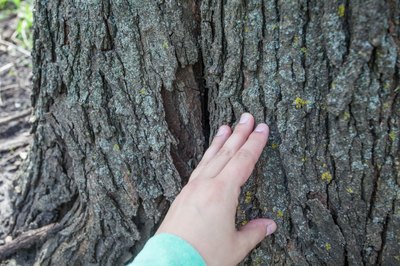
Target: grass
(23, 11)
(4, 4)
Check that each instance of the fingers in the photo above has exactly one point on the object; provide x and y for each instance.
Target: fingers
(231, 146)
(253, 233)
(223, 134)
(239, 168)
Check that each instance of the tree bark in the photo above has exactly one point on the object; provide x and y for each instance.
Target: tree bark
(127, 95)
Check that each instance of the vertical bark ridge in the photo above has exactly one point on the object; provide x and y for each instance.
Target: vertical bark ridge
(117, 106)
(325, 81)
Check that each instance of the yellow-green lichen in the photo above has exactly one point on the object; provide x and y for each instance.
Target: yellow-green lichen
(116, 147)
(165, 45)
(142, 91)
(244, 222)
(304, 159)
(328, 246)
(346, 116)
(326, 176)
(257, 261)
(279, 214)
(386, 106)
(392, 135)
(350, 190)
(386, 85)
(274, 146)
(248, 197)
(341, 10)
(300, 103)
(303, 50)
(296, 39)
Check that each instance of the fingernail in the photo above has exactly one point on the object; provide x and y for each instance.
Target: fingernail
(244, 118)
(221, 131)
(261, 128)
(271, 228)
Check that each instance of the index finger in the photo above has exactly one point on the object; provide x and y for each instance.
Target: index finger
(240, 167)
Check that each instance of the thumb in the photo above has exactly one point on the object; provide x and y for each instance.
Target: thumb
(253, 233)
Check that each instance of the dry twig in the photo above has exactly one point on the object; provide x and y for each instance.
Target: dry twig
(19, 49)
(16, 116)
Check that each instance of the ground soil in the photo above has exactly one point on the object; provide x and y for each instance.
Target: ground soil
(15, 112)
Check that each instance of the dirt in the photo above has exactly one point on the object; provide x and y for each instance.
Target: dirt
(15, 111)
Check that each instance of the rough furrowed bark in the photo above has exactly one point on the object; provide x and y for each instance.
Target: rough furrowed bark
(118, 125)
(324, 75)
(127, 93)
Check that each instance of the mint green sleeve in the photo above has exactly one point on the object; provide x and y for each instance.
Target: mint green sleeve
(166, 250)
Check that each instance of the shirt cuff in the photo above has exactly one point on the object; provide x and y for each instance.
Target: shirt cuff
(167, 249)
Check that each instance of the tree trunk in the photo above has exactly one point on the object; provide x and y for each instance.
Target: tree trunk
(128, 93)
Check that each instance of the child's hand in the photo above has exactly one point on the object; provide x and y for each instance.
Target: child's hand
(204, 212)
